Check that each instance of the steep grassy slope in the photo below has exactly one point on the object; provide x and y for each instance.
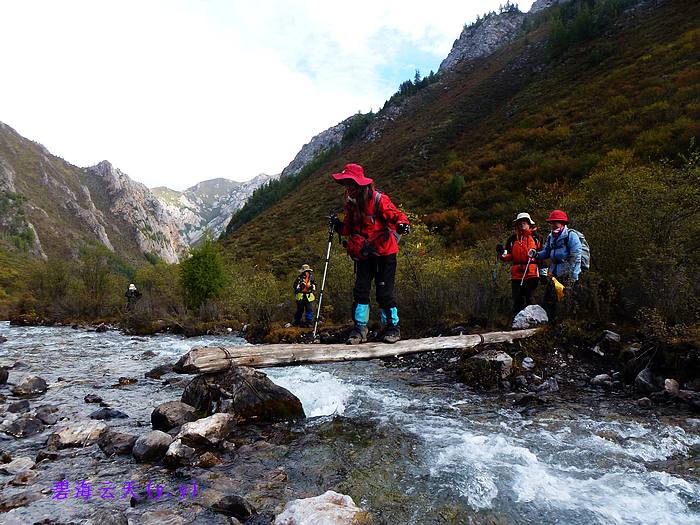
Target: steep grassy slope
(468, 151)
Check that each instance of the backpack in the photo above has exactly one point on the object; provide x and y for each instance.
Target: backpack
(585, 249)
(359, 247)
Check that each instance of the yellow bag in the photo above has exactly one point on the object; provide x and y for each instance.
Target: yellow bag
(558, 288)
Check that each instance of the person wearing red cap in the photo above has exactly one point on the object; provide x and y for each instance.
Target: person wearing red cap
(524, 272)
(563, 248)
(373, 226)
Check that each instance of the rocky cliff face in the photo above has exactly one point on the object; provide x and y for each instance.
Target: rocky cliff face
(137, 211)
(483, 38)
(540, 5)
(330, 137)
(65, 206)
(208, 205)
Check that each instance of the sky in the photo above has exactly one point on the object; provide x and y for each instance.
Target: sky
(173, 92)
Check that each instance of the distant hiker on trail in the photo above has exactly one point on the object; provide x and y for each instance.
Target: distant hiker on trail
(373, 226)
(132, 296)
(563, 248)
(304, 288)
(524, 271)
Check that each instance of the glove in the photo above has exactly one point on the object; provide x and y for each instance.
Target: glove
(335, 222)
(499, 249)
(403, 229)
(532, 253)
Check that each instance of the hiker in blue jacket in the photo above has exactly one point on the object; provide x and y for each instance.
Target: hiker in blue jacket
(563, 248)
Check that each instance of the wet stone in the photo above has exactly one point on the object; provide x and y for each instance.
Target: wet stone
(30, 386)
(234, 505)
(116, 443)
(107, 414)
(172, 414)
(4, 374)
(644, 402)
(159, 371)
(22, 499)
(23, 426)
(81, 434)
(19, 406)
(108, 517)
(48, 414)
(644, 382)
(18, 465)
(46, 456)
(93, 398)
(24, 478)
(152, 446)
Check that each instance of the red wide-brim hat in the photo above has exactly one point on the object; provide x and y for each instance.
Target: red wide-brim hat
(353, 172)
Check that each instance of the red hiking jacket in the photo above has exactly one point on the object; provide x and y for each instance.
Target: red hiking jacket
(517, 248)
(379, 226)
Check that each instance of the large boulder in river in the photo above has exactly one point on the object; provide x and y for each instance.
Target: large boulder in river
(329, 508)
(21, 426)
(645, 382)
(4, 374)
(79, 435)
(530, 317)
(172, 414)
(152, 446)
(486, 369)
(245, 393)
(30, 386)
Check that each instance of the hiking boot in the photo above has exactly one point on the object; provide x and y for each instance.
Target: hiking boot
(391, 334)
(357, 335)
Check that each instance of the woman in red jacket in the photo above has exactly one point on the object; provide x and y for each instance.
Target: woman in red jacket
(524, 272)
(373, 226)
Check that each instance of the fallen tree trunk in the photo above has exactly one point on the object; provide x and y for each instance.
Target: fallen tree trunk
(214, 359)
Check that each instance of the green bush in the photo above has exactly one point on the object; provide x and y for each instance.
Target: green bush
(202, 275)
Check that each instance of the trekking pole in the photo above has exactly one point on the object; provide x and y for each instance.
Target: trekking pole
(331, 232)
(529, 260)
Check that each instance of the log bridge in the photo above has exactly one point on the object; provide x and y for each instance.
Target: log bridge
(209, 359)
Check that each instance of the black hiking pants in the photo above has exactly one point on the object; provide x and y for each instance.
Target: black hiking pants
(383, 271)
(303, 308)
(523, 295)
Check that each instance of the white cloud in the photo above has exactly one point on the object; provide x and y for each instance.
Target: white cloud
(175, 92)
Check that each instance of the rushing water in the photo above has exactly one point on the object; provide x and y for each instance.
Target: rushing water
(409, 448)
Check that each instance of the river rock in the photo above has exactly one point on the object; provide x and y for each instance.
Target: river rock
(19, 406)
(245, 393)
(80, 434)
(207, 431)
(602, 380)
(48, 414)
(236, 506)
(691, 398)
(107, 414)
(17, 465)
(30, 386)
(24, 478)
(550, 385)
(3, 339)
(530, 317)
(486, 369)
(152, 446)
(644, 402)
(207, 460)
(101, 328)
(179, 454)
(93, 398)
(671, 386)
(22, 426)
(610, 336)
(22, 499)
(4, 374)
(329, 508)
(108, 517)
(159, 371)
(114, 443)
(172, 414)
(162, 517)
(644, 382)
